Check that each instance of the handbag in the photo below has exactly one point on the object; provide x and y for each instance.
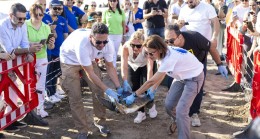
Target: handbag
(126, 26)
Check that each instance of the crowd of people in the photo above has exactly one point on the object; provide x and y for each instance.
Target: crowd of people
(158, 39)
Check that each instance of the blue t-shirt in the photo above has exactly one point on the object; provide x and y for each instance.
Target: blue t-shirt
(71, 16)
(139, 15)
(61, 28)
(46, 18)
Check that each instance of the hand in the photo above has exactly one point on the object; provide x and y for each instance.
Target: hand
(112, 95)
(29, 58)
(120, 91)
(130, 99)
(153, 12)
(51, 43)
(6, 56)
(223, 70)
(53, 27)
(180, 23)
(159, 12)
(35, 47)
(127, 87)
(151, 93)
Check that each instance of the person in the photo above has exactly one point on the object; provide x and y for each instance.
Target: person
(176, 8)
(129, 18)
(155, 12)
(93, 6)
(114, 18)
(53, 69)
(14, 38)
(198, 45)
(36, 31)
(188, 76)
(78, 3)
(138, 15)
(78, 52)
(137, 68)
(99, 16)
(200, 17)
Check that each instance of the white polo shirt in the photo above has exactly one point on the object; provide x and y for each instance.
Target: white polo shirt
(78, 50)
(199, 18)
(180, 64)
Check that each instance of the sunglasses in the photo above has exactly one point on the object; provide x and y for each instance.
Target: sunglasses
(56, 8)
(253, 5)
(98, 42)
(113, 0)
(258, 2)
(80, 2)
(21, 18)
(39, 15)
(150, 54)
(136, 2)
(170, 41)
(244, 0)
(93, 5)
(136, 45)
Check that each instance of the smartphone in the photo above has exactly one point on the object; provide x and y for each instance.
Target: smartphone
(155, 8)
(86, 7)
(43, 41)
(49, 37)
(250, 26)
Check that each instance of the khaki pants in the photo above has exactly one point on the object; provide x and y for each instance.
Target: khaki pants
(70, 82)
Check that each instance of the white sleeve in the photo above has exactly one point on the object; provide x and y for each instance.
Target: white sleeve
(211, 12)
(108, 55)
(257, 25)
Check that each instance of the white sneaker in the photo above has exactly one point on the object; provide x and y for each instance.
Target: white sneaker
(140, 117)
(54, 99)
(60, 91)
(42, 113)
(153, 112)
(58, 95)
(195, 121)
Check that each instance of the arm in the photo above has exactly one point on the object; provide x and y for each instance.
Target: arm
(70, 29)
(112, 73)
(150, 64)
(65, 35)
(216, 27)
(156, 79)
(124, 64)
(214, 53)
(94, 78)
(149, 15)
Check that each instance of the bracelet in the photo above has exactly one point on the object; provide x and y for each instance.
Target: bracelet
(220, 64)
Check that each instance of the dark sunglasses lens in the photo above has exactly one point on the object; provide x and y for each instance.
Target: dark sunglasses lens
(93, 5)
(136, 2)
(56, 8)
(100, 42)
(170, 41)
(21, 19)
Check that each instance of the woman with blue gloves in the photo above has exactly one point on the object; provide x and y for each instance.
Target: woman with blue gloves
(188, 76)
(137, 68)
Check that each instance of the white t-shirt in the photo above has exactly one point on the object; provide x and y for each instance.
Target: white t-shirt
(199, 18)
(180, 64)
(139, 61)
(130, 24)
(175, 9)
(78, 50)
(240, 11)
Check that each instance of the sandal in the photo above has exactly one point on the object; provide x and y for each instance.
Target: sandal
(172, 128)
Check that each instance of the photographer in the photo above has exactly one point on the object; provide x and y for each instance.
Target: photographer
(155, 11)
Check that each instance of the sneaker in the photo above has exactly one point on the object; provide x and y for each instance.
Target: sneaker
(48, 105)
(54, 99)
(82, 136)
(102, 129)
(33, 119)
(19, 124)
(58, 95)
(195, 121)
(12, 128)
(153, 112)
(140, 117)
(42, 113)
(60, 92)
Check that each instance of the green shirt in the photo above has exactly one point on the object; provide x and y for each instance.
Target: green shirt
(37, 35)
(114, 21)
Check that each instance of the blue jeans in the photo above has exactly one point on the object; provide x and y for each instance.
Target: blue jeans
(180, 96)
(53, 72)
(156, 31)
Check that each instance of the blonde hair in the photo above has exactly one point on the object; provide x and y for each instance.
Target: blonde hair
(137, 35)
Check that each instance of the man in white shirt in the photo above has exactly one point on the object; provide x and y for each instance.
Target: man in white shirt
(199, 16)
(78, 52)
(176, 8)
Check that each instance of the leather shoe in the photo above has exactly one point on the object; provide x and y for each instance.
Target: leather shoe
(234, 87)
(33, 119)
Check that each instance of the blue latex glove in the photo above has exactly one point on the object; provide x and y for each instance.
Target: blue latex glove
(223, 70)
(127, 87)
(120, 91)
(151, 93)
(130, 99)
(112, 95)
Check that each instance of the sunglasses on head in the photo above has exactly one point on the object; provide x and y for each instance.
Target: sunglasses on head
(56, 8)
(113, 0)
(170, 41)
(136, 2)
(136, 45)
(93, 5)
(150, 54)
